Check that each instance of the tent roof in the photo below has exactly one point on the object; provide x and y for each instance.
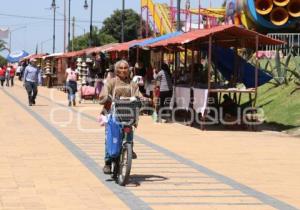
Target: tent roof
(16, 56)
(73, 53)
(156, 39)
(34, 56)
(124, 46)
(100, 48)
(226, 36)
(53, 55)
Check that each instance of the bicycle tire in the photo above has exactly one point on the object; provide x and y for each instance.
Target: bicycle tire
(125, 163)
(115, 169)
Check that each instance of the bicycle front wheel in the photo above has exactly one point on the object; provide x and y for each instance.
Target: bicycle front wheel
(125, 164)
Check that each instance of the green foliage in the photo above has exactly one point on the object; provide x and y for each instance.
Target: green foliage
(112, 25)
(80, 42)
(2, 61)
(2, 45)
(98, 38)
(106, 38)
(224, 4)
(280, 104)
(295, 71)
(111, 30)
(283, 70)
(280, 75)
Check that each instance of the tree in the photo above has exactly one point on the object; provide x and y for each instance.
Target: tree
(112, 25)
(3, 61)
(2, 45)
(98, 38)
(111, 30)
(106, 38)
(224, 4)
(80, 42)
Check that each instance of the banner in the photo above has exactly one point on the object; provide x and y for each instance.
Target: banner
(4, 33)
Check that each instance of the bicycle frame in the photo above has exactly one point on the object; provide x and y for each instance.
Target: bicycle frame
(125, 157)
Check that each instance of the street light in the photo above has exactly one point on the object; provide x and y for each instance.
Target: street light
(10, 35)
(178, 15)
(53, 6)
(69, 27)
(86, 6)
(122, 22)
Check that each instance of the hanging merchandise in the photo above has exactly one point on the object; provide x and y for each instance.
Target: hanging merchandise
(84, 73)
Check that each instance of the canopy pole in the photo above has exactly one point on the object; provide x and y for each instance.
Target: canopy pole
(175, 65)
(185, 58)
(162, 59)
(193, 67)
(208, 78)
(209, 63)
(256, 68)
(137, 57)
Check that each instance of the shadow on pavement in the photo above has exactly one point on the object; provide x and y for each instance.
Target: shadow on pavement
(137, 180)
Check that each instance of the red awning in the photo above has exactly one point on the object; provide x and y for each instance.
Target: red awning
(228, 35)
(34, 56)
(73, 54)
(99, 49)
(125, 46)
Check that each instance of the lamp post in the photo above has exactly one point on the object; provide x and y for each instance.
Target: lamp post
(86, 6)
(178, 16)
(122, 21)
(69, 26)
(53, 6)
(10, 35)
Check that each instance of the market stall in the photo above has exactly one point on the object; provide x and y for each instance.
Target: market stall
(232, 75)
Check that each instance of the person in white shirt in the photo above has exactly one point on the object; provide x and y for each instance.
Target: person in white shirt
(7, 75)
(71, 79)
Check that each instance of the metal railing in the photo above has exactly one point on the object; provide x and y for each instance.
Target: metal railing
(292, 43)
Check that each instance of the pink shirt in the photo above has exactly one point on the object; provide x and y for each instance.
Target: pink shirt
(71, 74)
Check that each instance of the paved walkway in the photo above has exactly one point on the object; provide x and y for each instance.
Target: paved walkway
(58, 166)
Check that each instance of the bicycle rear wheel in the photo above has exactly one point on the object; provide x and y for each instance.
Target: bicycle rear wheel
(115, 169)
(125, 164)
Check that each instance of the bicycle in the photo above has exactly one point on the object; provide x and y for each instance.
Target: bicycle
(126, 111)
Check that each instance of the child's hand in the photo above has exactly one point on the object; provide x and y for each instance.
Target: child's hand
(102, 119)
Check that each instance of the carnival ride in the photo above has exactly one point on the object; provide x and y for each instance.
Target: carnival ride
(161, 17)
(265, 16)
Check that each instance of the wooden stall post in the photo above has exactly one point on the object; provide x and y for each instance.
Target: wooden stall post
(185, 57)
(208, 77)
(185, 71)
(162, 57)
(209, 63)
(192, 82)
(193, 67)
(256, 68)
(137, 58)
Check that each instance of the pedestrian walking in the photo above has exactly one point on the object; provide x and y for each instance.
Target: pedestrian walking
(32, 78)
(7, 75)
(12, 73)
(164, 82)
(18, 70)
(71, 79)
(2, 76)
(22, 70)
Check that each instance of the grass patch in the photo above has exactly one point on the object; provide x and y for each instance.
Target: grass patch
(280, 105)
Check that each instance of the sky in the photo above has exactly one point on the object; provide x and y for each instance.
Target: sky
(28, 33)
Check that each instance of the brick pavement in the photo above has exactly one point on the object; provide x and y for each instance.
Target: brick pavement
(37, 172)
(200, 170)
